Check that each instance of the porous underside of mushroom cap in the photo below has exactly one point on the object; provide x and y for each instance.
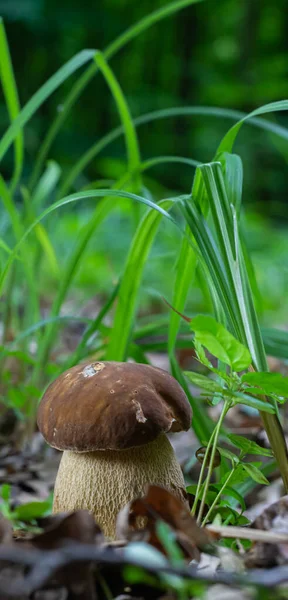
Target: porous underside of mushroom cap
(111, 405)
(103, 482)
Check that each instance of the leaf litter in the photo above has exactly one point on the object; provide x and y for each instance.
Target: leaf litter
(71, 556)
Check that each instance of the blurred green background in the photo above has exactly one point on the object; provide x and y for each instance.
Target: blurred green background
(223, 54)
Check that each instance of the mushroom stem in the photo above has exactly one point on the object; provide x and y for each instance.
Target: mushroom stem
(104, 481)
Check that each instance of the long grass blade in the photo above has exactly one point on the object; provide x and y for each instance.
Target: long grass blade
(130, 283)
(132, 147)
(12, 102)
(147, 21)
(227, 142)
(39, 97)
(238, 303)
(185, 111)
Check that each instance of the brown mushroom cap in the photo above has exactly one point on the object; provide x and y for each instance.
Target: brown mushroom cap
(111, 406)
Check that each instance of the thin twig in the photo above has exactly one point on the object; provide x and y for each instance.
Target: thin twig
(247, 533)
(45, 564)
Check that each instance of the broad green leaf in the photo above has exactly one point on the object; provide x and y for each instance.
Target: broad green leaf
(256, 391)
(270, 383)
(230, 492)
(203, 382)
(220, 342)
(32, 510)
(241, 398)
(238, 476)
(210, 496)
(248, 446)
(255, 473)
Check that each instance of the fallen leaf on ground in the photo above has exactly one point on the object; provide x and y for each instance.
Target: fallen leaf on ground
(138, 521)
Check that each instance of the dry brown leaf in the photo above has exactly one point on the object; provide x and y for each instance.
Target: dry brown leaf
(138, 521)
(79, 526)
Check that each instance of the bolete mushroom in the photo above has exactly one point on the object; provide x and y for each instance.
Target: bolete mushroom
(110, 419)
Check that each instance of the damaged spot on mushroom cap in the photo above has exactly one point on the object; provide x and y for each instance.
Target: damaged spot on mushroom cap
(91, 370)
(140, 417)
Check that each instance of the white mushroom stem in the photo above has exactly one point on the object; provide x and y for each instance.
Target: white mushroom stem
(103, 482)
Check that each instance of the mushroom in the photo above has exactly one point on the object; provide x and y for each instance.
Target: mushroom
(110, 419)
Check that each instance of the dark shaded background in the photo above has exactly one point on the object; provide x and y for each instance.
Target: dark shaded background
(222, 54)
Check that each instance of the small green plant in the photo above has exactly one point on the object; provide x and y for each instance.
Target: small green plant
(230, 388)
(25, 515)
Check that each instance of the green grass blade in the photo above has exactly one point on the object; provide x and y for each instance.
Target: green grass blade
(12, 102)
(145, 23)
(233, 175)
(130, 283)
(81, 349)
(275, 342)
(88, 156)
(60, 320)
(128, 35)
(39, 97)
(211, 260)
(75, 198)
(185, 273)
(103, 209)
(132, 147)
(46, 184)
(239, 310)
(227, 142)
(9, 205)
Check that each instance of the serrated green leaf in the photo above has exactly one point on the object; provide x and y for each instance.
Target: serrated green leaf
(255, 473)
(203, 382)
(241, 398)
(248, 446)
(228, 454)
(270, 383)
(220, 342)
(200, 352)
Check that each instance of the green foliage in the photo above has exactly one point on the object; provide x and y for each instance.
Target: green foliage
(221, 343)
(23, 514)
(269, 383)
(75, 226)
(247, 446)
